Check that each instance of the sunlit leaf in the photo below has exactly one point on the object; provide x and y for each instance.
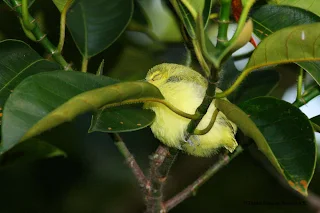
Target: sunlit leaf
(268, 19)
(289, 45)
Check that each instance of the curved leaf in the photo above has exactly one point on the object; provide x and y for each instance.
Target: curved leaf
(18, 61)
(282, 132)
(46, 100)
(270, 18)
(95, 25)
(292, 44)
(310, 5)
(189, 11)
(121, 119)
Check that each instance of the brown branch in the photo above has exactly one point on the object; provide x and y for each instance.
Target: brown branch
(160, 164)
(130, 160)
(187, 192)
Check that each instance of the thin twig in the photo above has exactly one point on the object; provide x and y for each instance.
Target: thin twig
(130, 160)
(40, 36)
(187, 192)
(160, 165)
(63, 24)
(300, 83)
(84, 66)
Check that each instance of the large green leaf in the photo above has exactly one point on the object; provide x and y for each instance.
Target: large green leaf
(18, 61)
(121, 119)
(268, 19)
(310, 5)
(46, 100)
(282, 132)
(292, 44)
(95, 25)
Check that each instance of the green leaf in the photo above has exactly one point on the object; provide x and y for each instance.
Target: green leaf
(282, 132)
(95, 25)
(316, 123)
(313, 68)
(189, 11)
(316, 120)
(60, 4)
(18, 61)
(29, 151)
(310, 5)
(292, 44)
(121, 119)
(139, 15)
(46, 100)
(269, 19)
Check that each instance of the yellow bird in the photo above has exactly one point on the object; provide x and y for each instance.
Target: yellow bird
(185, 88)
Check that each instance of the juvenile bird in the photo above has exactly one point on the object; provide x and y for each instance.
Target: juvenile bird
(185, 88)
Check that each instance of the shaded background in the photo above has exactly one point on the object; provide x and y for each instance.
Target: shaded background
(94, 176)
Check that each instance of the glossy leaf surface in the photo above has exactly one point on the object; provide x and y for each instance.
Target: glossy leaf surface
(282, 132)
(95, 25)
(46, 100)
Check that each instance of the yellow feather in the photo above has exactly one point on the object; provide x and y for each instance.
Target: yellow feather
(184, 88)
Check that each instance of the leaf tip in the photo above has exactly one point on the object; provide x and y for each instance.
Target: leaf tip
(301, 187)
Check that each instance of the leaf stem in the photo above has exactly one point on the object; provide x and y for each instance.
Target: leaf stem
(63, 24)
(41, 37)
(130, 160)
(242, 20)
(210, 125)
(164, 102)
(84, 65)
(310, 93)
(187, 192)
(235, 85)
(241, 24)
(161, 162)
(29, 25)
(300, 83)
(223, 21)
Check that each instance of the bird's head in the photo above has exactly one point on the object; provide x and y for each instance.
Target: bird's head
(173, 73)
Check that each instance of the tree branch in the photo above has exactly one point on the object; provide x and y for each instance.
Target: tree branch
(130, 160)
(161, 162)
(187, 192)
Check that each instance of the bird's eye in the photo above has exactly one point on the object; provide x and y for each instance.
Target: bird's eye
(157, 76)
